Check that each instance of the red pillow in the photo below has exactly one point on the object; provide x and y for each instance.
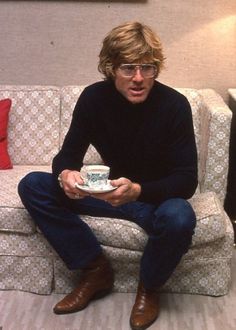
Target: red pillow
(5, 162)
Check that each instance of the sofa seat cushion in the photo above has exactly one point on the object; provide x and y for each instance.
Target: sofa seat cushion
(27, 255)
(204, 269)
(126, 234)
(24, 245)
(117, 233)
(13, 216)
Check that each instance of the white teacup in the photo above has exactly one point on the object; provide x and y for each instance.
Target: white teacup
(95, 176)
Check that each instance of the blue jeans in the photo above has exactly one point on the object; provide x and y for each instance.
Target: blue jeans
(169, 226)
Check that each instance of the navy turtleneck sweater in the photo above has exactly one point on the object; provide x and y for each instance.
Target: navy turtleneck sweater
(151, 143)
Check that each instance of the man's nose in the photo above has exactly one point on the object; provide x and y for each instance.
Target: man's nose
(138, 75)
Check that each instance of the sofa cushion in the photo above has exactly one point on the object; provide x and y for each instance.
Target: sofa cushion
(196, 103)
(26, 256)
(33, 123)
(25, 245)
(13, 216)
(125, 234)
(205, 269)
(118, 233)
(5, 162)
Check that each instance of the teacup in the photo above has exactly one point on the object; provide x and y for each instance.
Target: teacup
(95, 176)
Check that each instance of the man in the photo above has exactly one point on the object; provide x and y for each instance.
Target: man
(143, 131)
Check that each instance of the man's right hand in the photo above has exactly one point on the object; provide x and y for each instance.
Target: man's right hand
(68, 179)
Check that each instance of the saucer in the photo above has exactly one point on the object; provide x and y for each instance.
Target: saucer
(108, 187)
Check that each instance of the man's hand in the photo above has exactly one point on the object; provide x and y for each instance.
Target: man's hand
(126, 192)
(68, 180)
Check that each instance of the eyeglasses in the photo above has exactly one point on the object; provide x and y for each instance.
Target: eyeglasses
(146, 70)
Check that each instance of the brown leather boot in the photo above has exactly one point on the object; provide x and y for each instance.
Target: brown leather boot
(96, 281)
(145, 310)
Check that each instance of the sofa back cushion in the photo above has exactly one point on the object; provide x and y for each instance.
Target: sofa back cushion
(196, 102)
(33, 131)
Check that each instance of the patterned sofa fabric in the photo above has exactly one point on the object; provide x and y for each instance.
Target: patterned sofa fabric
(31, 274)
(13, 216)
(24, 252)
(34, 118)
(205, 269)
(118, 233)
(127, 235)
(215, 122)
(39, 119)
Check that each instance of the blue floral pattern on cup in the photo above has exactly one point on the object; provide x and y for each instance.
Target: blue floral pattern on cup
(95, 176)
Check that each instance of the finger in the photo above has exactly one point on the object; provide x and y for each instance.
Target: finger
(114, 202)
(70, 195)
(121, 183)
(71, 188)
(118, 182)
(74, 196)
(77, 196)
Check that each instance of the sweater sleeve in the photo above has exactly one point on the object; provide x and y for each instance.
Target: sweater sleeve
(76, 140)
(181, 180)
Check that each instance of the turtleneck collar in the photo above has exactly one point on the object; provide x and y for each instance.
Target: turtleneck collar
(127, 104)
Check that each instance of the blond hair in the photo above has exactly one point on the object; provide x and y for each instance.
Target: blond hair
(132, 42)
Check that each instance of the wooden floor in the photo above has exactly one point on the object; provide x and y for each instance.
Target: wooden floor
(25, 311)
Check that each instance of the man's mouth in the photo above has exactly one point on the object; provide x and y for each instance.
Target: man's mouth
(136, 90)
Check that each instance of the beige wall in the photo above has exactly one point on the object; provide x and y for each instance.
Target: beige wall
(57, 42)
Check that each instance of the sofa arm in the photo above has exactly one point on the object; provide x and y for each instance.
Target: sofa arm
(215, 124)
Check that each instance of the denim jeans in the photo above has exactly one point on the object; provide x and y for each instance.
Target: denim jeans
(169, 226)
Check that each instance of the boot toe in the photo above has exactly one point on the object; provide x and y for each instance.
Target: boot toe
(141, 322)
(145, 310)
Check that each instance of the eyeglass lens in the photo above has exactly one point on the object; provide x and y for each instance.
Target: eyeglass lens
(129, 70)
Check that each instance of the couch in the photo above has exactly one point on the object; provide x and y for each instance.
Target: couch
(229, 205)
(38, 121)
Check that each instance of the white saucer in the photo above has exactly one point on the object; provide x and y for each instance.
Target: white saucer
(108, 187)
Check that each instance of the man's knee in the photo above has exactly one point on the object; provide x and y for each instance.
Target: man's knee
(177, 216)
(29, 183)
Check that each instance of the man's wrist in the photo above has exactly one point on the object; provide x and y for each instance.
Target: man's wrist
(59, 178)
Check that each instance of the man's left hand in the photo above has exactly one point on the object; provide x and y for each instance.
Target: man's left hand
(127, 191)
